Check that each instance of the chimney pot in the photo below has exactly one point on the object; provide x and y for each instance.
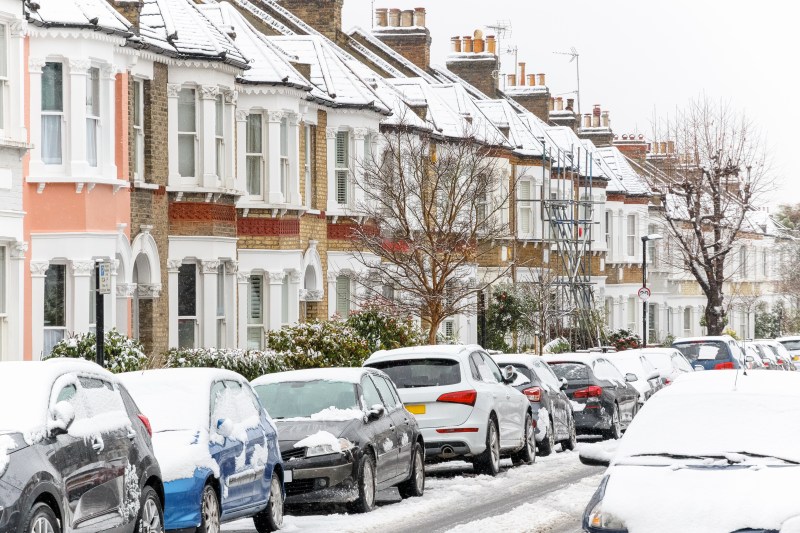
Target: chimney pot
(419, 17)
(663, 147)
(624, 136)
(559, 104)
(641, 137)
(604, 119)
(587, 120)
(382, 17)
(491, 44)
(570, 103)
(522, 73)
(671, 147)
(595, 121)
(394, 18)
(551, 104)
(532, 80)
(456, 44)
(477, 42)
(541, 80)
(407, 18)
(512, 80)
(596, 110)
(466, 44)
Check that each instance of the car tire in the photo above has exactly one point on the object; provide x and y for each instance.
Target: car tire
(615, 431)
(527, 455)
(367, 485)
(414, 486)
(271, 518)
(549, 442)
(209, 511)
(572, 442)
(489, 461)
(41, 519)
(151, 513)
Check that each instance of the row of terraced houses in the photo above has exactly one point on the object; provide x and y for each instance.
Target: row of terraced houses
(207, 150)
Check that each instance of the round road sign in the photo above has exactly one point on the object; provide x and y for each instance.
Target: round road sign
(644, 294)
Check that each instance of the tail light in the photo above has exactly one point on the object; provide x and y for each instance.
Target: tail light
(667, 381)
(534, 394)
(780, 361)
(724, 366)
(589, 392)
(146, 422)
(466, 397)
(766, 364)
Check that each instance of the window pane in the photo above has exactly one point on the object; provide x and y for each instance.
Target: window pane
(342, 149)
(218, 108)
(341, 186)
(254, 175)
(186, 333)
(137, 104)
(284, 137)
(3, 52)
(51, 139)
(187, 290)
(186, 110)
(2, 278)
(343, 296)
(221, 290)
(220, 158)
(91, 141)
(256, 302)
(186, 155)
(254, 131)
(93, 92)
(255, 338)
(285, 300)
(55, 296)
(53, 87)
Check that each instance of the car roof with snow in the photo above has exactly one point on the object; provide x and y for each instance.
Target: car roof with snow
(197, 376)
(722, 381)
(29, 371)
(585, 358)
(347, 375)
(705, 338)
(662, 349)
(511, 358)
(420, 352)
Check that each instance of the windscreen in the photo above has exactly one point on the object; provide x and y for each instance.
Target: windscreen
(413, 373)
(791, 345)
(304, 399)
(703, 350)
(571, 371)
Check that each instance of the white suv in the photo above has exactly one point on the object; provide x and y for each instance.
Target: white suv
(464, 404)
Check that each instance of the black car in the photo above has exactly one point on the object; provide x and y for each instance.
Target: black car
(603, 400)
(551, 406)
(344, 436)
(75, 452)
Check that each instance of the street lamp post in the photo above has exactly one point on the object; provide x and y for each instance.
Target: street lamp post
(645, 240)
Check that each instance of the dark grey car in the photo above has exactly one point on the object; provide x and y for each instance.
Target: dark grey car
(551, 407)
(75, 452)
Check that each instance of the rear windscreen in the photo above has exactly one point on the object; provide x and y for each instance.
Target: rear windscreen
(791, 345)
(412, 373)
(571, 371)
(703, 350)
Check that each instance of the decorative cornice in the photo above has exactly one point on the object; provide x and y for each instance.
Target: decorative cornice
(209, 267)
(39, 268)
(19, 249)
(231, 97)
(330, 133)
(276, 278)
(126, 290)
(276, 116)
(241, 115)
(360, 134)
(79, 67)
(174, 265)
(36, 64)
(311, 295)
(18, 28)
(173, 89)
(209, 92)
(149, 290)
(231, 267)
(243, 276)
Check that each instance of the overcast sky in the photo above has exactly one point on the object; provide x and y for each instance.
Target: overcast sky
(640, 58)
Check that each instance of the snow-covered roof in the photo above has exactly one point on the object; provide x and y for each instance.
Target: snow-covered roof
(388, 51)
(444, 75)
(520, 136)
(348, 375)
(629, 180)
(180, 29)
(91, 14)
(268, 64)
(451, 350)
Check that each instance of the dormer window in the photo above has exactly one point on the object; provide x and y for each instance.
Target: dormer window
(52, 112)
(187, 133)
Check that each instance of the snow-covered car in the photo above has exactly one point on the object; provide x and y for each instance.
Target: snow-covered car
(792, 345)
(602, 400)
(782, 355)
(464, 404)
(552, 410)
(721, 449)
(755, 359)
(669, 362)
(712, 352)
(217, 447)
(648, 380)
(344, 435)
(75, 452)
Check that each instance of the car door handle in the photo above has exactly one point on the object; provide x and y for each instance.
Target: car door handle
(132, 435)
(97, 444)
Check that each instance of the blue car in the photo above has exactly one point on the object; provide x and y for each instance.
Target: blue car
(711, 353)
(217, 447)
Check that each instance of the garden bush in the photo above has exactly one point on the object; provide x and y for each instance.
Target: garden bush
(384, 330)
(121, 353)
(624, 339)
(319, 345)
(249, 363)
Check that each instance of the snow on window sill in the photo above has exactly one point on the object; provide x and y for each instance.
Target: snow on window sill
(144, 185)
(80, 183)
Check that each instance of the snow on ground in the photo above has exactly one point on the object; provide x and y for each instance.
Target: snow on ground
(452, 489)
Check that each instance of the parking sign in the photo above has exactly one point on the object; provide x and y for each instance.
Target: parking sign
(105, 278)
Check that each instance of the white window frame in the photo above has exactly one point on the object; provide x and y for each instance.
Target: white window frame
(62, 328)
(609, 231)
(193, 319)
(342, 168)
(343, 283)
(310, 165)
(93, 113)
(219, 136)
(219, 321)
(630, 222)
(632, 318)
(138, 131)
(4, 80)
(255, 156)
(192, 134)
(54, 114)
(525, 209)
(283, 154)
(687, 321)
(256, 323)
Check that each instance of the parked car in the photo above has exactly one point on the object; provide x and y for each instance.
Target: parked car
(603, 400)
(552, 410)
(792, 345)
(344, 435)
(75, 452)
(669, 362)
(712, 475)
(755, 359)
(463, 402)
(216, 445)
(782, 355)
(648, 380)
(711, 353)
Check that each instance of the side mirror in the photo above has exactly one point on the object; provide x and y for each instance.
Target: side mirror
(630, 377)
(224, 427)
(509, 374)
(63, 414)
(750, 359)
(699, 367)
(375, 412)
(593, 461)
(564, 383)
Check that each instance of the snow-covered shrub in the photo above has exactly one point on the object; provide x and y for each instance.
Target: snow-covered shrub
(559, 345)
(319, 345)
(624, 339)
(249, 363)
(121, 353)
(384, 330)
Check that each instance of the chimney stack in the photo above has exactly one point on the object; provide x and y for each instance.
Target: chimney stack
(663, 148)
(419, 17)
(404, 31)
(381, 17)
(477, 62)
(394, 18)
(552, 104)
(491, 44)
(522, 73)
(587, 120)
(130, 9)
(325, 16)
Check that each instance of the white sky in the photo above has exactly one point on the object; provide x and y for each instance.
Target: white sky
(643, 58)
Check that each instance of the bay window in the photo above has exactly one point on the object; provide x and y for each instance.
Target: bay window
(255, 314)
(342, 167)
(138, 130)
(3, 74)
(284, 155)
(219, 136)
(55, 306)
(187, 305)
(254, 154)
(311, 166)
(220, 316)
(92, 114)
(187, 132)
(52, 112)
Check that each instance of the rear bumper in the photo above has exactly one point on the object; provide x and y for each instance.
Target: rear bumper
(592, 419)
(440, 446)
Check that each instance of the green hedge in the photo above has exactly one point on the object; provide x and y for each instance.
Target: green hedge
(121, 353)
(249, 363)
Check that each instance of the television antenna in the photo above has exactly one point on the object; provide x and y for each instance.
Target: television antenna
(502, 29)
(575, 56)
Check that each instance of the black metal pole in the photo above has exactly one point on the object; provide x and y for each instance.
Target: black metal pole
(644, 284)
(99, 316)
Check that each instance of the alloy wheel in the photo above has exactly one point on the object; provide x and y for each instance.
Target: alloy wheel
(210, 511)
(276, 497)
(151, 518)
(495, 447)
(42, 525)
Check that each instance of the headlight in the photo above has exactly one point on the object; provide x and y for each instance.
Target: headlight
(328, 449)
(599, 520)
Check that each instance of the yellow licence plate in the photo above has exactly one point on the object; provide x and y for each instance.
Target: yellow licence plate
(416, 409)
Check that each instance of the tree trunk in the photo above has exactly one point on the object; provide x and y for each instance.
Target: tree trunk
(715, 315)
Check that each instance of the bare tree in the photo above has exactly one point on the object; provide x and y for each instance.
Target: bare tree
(716, 175)
(434, 210)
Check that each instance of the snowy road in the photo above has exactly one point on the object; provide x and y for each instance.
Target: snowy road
(547, 497)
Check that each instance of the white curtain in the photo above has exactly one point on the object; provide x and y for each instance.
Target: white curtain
(51, 139)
